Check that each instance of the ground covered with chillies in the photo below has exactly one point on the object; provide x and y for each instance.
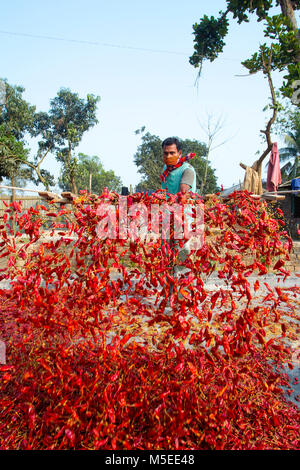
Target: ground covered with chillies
(106, 349)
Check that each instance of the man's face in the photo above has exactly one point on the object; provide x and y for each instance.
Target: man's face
(171, 155)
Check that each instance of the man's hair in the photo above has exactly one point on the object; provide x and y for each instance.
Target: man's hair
(171, 141)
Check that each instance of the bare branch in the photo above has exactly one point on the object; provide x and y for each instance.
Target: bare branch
(211, 129)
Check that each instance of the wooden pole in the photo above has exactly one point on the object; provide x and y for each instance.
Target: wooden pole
(13, 198)
(23, 189)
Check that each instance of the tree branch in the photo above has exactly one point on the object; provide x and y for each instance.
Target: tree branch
(36, 168)
(267, 131)
(43, 157)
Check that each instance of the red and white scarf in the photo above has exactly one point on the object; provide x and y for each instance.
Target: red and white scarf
(170, 168)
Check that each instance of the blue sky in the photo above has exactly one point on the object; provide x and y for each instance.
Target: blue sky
(138, 86)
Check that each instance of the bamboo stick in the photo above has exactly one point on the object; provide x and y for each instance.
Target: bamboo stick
(24, 189)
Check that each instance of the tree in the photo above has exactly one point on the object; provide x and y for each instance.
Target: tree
(43, 130)
(287, 126)
(16, 120)
(275, 106)
(11, 168)
(281, 29)
(211, 128)
(59, 131)
(90, 175)
(287, 119)
(148, 159)
(19, 120)
(10, 146)
(70, 117)
(291, 152)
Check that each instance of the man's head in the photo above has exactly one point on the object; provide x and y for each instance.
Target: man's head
(171, 151)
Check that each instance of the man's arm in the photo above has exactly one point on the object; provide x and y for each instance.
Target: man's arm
(187, 180)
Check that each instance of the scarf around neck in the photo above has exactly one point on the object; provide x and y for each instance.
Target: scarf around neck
(182, 159)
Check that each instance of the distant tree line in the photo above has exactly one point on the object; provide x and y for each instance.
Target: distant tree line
(58, 132)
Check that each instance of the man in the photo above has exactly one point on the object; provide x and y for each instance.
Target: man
(177, 176)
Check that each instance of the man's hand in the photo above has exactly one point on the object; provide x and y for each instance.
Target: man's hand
(184, 188)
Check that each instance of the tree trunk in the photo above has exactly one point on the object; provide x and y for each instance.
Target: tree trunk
(13, 198)
(287, 8)
(295, 167)
(71, 171)
(257, 165)
(43, 181)
(203, 183)
(73, 184)
(288, 11)
(13, 191)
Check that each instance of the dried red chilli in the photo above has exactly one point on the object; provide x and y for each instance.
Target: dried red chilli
(95, 362)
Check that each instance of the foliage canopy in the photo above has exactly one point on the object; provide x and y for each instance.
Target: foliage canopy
(281, 29)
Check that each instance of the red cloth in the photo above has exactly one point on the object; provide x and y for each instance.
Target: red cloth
(274, 173)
